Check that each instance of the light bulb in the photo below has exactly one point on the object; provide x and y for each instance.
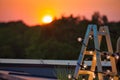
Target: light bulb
(111, 78)
(79, 39)
(108, 56)
(103, 30)
(69, 76)
(85, 66)
(94, 76)
(90, 36)
(108, 71)
(83, 78)
(116, 56)
(91, 52)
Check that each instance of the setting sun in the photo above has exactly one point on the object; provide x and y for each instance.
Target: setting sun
(47, 19)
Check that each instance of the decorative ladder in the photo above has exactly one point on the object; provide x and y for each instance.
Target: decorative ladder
(96, 55)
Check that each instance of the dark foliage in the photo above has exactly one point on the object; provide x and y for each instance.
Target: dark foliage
(57, 40)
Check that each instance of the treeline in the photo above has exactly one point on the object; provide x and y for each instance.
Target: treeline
(57, 40)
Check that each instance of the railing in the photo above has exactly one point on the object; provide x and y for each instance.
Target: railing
(49, 62)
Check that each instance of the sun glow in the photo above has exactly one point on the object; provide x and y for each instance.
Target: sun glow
(47, 19)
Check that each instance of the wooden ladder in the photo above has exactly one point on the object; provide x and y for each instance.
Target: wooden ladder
(96, 54)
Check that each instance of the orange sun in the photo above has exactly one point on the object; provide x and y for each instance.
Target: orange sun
(47, 19)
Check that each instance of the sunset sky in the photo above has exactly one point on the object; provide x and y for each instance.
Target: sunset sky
(32, 11)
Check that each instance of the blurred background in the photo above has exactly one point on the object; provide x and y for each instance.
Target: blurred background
(48, 29)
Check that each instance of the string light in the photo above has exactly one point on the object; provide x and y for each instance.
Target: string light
(91, 52)
(103, 30)
(111, 78)
(116, 55)
(90, 36)
(108, 71)
(94, 75)
(83, 78)
(79, 39)
(83, 66)
(69, 76)
(108, 56)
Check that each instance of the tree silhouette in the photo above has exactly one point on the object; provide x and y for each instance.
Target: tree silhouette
(56, 40)
(96, 18)
(105, 19)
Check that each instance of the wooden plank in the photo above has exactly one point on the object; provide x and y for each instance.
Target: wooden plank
(101, 31)
(89, 52)
(93, 66)
(110, 50)
(85, 72)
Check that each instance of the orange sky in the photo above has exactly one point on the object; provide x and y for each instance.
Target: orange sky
(31, 11)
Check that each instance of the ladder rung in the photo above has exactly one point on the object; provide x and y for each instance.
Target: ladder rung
(85, 72)
(89, 52)
(102, 33)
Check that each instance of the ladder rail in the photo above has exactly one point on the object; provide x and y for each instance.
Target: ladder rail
(110, 50)
(98, 56)
(80, 59)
